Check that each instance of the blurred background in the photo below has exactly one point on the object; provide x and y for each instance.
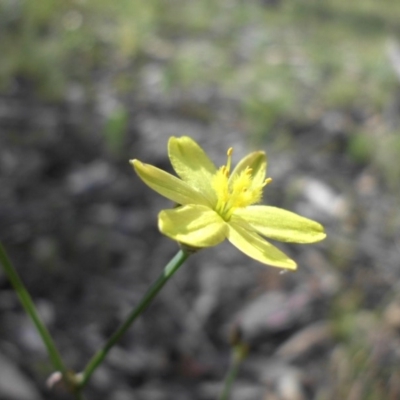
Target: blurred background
(87, 85)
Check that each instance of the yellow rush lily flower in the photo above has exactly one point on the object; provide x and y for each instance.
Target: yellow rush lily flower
(215, 204)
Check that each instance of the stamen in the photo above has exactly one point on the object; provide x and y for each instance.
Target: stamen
(229, 160)
(236, 191)
(267, 181)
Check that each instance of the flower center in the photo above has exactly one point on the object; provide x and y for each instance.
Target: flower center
(237, 190)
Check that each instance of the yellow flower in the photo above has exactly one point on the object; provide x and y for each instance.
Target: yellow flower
(217, 204)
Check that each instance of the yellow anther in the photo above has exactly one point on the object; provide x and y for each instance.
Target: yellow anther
(229, 160)
(268, 180)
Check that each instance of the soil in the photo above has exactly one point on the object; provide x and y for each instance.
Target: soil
(81, 230)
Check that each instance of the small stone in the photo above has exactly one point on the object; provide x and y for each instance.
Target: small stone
(304, 343)
(274, 312)
(289, 387)
(14, 385)
(324, 198)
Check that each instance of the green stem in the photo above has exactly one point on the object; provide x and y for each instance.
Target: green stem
(239, 353)
(30, 309)
(169, 270)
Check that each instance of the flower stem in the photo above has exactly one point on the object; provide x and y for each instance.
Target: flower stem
(239, 353)
(30, 309)
(169, 270)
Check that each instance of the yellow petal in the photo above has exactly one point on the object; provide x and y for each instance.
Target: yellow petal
(193, 225)
(192, 164)
(168, 185)
(256, 247)
(257, 161)
(279, 224)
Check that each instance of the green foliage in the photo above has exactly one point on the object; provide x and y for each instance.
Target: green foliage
(292, 60)
(360, 147)
(50, 43)
(380, 149)
(363, 365)
(386, 157)
(296, 45)
(115, 129)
